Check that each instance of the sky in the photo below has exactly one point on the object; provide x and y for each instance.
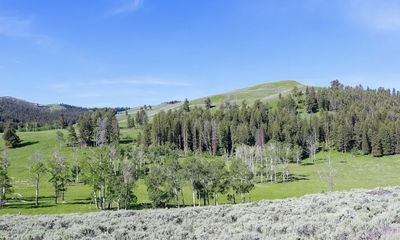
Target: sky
(108, 53)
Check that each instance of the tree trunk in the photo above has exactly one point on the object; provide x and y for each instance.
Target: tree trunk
(177, 197)
(194, 197)
(37, 190)
(1, 198)
(63, 192)
(183, 198)
(55, 192)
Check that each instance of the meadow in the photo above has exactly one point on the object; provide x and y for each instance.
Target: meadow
(352, 171)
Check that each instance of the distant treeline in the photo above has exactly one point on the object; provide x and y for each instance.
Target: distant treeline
(28, 116)
(347, 118)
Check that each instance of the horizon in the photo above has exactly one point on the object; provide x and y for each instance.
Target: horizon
(135, 52)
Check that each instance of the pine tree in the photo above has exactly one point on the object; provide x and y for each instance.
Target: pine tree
(365, 144)
(376, 146)
(62, 122)
(386, 138)
(185, 105)
(207, 102)
(130, 121)
(10, 137)
(72, 137)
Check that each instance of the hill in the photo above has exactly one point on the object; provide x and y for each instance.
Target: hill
(359, 214)
(263, 92)
(22, 112)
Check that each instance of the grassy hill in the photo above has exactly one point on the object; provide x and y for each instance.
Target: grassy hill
(263, 92)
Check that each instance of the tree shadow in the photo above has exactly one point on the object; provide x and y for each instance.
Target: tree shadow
(126, 141)
(308, 164)
(27, 143)
(291, 178)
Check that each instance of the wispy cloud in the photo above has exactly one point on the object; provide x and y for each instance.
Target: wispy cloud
(18, 26)
(383, 15)
(126, 82)
(14, 26)
(126, 6)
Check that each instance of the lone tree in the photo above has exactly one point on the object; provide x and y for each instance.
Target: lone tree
(5, 182)
(185, 105)
(207, 102)
(10, 137)
(38, 167)
(58, 169)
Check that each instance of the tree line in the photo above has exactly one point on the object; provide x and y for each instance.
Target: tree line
(349, 119)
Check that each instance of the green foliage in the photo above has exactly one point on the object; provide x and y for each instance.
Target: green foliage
(10, 137)
(5, 181)
(207, 103)
(159, 188)
(130, 121)
(58, 169)
(185, 106)
(72, 138)
(98, 128)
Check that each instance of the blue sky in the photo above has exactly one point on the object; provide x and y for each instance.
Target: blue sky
(135, 52)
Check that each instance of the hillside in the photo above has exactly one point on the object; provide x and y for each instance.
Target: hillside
(21, 112)
(359, 214)
(263, 92)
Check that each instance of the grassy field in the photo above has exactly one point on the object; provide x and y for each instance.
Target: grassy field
(351, 172)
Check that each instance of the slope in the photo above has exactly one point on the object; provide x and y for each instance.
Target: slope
(264, 92)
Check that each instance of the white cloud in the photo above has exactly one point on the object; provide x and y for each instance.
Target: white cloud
(126, 6)
(120, 82)
(382, 15)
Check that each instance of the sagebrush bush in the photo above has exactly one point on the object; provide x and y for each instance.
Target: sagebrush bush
(359, 214)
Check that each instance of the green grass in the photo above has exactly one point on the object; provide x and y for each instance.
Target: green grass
(352, 172)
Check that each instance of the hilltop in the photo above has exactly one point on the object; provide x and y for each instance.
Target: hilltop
(22, 112)
(359, 214)
(264, 92)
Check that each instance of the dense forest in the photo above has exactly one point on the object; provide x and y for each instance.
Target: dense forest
(27, 116)
(31, 117)
(354, 119)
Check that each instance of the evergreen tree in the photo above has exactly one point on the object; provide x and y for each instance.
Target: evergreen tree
(311, 101)
(386, 139)
(207, 102)
(130, 121)
(62, 121)
(10, 136)
(376, 146)
(72, 137)
(185, 105)
(366, 147)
